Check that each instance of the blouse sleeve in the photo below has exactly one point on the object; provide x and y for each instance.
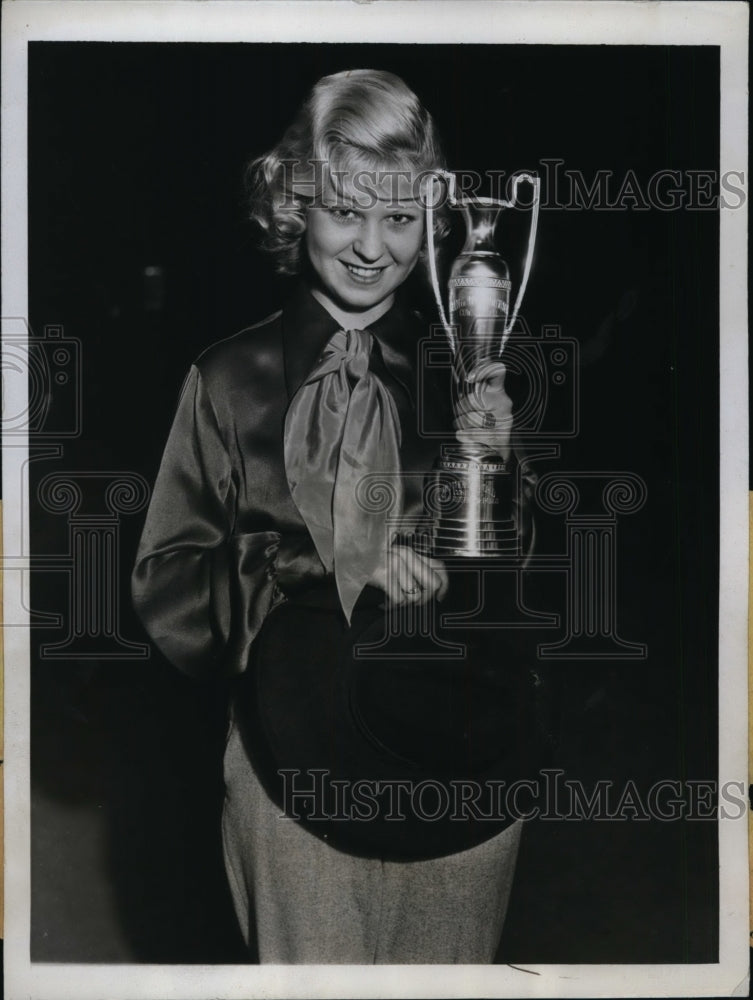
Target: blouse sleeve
(200, 590)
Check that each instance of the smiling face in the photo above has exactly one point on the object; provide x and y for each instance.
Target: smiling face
(362, 249)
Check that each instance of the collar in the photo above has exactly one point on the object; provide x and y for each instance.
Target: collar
(307, 326)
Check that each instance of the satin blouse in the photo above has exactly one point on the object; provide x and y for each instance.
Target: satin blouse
(223, 540)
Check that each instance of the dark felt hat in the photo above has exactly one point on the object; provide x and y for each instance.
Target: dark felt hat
(382, 745)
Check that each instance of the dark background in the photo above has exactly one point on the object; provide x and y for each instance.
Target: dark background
(136, 156)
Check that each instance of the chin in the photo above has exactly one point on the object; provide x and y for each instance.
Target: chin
(362, 300)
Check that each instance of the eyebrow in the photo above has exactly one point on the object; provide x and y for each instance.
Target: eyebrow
(346, 202)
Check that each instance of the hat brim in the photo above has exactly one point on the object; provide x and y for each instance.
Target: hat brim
(406, 730)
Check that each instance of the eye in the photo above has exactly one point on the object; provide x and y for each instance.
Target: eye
(343, 214)
(402, 219)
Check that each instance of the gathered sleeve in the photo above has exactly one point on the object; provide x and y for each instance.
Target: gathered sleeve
(200, 590)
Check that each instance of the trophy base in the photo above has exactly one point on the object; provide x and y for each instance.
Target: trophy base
(473, 541)
(470, 502)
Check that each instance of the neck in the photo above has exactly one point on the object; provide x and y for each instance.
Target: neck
(350, 319)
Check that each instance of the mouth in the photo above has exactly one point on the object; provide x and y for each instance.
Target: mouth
(363, 275)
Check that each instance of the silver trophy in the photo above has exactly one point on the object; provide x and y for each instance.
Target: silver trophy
(470, 496)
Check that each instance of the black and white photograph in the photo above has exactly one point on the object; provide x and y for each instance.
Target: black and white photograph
(375, 555)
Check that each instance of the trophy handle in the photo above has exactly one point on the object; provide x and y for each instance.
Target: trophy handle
(432, 182)
(535, 182)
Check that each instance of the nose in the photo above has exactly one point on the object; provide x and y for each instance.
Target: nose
(369, 245)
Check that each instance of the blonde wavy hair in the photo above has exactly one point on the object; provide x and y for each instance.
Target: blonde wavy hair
(357, 120)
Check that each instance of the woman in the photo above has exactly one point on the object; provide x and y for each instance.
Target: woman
(260, 557)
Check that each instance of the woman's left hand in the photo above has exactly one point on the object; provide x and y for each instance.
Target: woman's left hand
(483, 414)
(411, 578)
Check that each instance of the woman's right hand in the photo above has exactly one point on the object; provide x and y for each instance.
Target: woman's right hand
(410, 578)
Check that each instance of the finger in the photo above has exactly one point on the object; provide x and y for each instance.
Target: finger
(487, 371)
(484, 400)
(466, 404)
(425, 578)
(494, 399)
(492, 407)
(423, 581)
(470, 419)
(470, 411)
(431, 575)
(440, 575)
(410, 586)
(391, 584)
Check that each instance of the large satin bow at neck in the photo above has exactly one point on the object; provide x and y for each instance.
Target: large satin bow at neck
(342, 424)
